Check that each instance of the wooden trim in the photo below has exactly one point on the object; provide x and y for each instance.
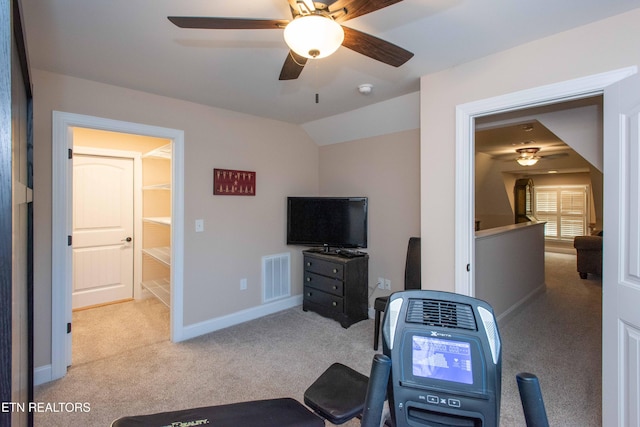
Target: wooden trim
(5, 209)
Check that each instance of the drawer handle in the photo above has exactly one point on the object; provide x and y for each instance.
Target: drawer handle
(335, 270)
(308, 263)
(334, 303)
(309, 294)
(335, 287)
(308, 279)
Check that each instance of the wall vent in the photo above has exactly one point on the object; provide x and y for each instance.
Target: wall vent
(276, 277)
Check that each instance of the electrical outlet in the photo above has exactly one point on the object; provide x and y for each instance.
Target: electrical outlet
(387, 284)
(380, 283)
(199, 225)
(243, 284)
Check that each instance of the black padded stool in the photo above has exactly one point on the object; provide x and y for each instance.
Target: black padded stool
(338, 394)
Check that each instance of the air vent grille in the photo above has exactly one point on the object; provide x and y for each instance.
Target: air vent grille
(441, 313)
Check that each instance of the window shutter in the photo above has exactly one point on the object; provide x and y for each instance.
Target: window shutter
(547, 201)
(564, 209)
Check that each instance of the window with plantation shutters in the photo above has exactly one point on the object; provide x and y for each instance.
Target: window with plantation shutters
(564, 208)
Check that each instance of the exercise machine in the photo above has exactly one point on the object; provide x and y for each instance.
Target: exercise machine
(446, 360)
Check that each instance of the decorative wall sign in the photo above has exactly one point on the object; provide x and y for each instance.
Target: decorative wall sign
(227, 182)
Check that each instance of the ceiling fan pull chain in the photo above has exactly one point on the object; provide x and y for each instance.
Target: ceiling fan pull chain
(314, 79)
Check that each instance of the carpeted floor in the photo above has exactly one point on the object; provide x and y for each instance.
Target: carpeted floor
(124, 363)
(558, 337)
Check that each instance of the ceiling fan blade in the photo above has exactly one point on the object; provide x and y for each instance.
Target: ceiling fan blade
(555, 156)
(375, 48)
(292, 67)
(211, 23)
(355, 8)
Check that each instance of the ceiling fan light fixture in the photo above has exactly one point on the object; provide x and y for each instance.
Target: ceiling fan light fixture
(527, 156)
(527, 161)
(313, 36)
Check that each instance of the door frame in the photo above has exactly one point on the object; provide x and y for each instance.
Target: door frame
(464, 239)
(62, 142)
(137, 204)
(465, 204)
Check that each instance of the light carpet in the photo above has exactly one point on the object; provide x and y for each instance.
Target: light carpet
(124, 363)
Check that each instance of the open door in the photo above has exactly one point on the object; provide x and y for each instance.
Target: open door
(621, 264)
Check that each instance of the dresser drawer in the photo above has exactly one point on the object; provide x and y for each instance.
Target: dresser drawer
(326, 268)
(323, 283)
(328, 301)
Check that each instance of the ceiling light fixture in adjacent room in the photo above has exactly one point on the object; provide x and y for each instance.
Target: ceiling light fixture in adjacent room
(527, 156)
(314, 36)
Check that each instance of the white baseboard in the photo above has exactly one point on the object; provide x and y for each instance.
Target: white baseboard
(503, 317)
(212, 325)
(42, 374)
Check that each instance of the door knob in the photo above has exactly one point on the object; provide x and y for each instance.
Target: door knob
(128, 239)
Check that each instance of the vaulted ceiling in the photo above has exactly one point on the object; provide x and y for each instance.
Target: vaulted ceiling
(131, 43)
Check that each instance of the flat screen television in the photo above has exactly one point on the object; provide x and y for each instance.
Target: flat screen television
(332, 222)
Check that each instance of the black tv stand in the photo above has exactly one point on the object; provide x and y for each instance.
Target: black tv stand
(343, 252)
(322, 250)
(336, 286)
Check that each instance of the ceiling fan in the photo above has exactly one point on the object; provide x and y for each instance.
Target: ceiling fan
(529, 156)
(326, 17)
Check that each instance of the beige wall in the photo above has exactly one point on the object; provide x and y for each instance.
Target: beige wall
(238, 230)
(494, 206)
(595, 48)
(386, 169)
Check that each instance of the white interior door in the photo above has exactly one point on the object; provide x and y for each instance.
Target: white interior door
(621, 266)
(102, 230)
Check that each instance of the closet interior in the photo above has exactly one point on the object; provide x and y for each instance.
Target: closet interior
(156, 223)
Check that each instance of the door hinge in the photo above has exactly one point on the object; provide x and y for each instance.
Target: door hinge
(69, 327)
(69, 240)
(70, 153)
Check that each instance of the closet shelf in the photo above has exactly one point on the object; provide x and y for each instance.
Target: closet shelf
(156, 176)
(162, 220)
(157, 187)
(162, 254)
(160, 288)
(163, 152)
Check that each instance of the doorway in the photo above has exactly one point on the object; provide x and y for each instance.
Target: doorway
(62, 270)
(464, 241)
(466, 116)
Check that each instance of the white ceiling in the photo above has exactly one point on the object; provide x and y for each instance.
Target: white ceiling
(130, 43)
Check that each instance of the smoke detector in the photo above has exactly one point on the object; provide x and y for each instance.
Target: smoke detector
(365, 88)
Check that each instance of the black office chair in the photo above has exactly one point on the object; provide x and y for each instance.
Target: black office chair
(411, 281)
